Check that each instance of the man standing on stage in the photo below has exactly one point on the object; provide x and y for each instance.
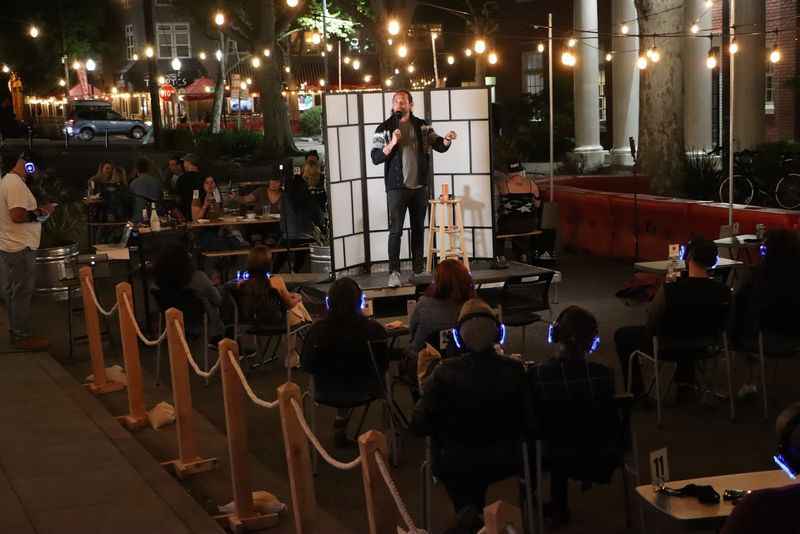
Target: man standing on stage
(403, 143)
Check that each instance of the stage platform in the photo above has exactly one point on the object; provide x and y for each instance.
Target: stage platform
(375, 285)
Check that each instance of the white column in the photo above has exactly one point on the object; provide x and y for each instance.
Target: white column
(749, 82)
(697, 105)
(626, 82)
(587, 89)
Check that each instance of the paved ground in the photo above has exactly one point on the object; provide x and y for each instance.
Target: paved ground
(701, 439)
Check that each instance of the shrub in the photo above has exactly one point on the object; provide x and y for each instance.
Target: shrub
(178, 139)
(311, 122)
(230, 143)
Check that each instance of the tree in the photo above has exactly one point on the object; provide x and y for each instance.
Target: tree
(257, 25)
(661, 135)
(483, 25)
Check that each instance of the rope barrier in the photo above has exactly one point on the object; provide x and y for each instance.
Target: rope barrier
(190, 358)
(314, 441)
(107, 313)
(148, 342)
(253, 397)
(398, 500)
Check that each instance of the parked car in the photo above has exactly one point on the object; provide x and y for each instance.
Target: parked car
(85, 123)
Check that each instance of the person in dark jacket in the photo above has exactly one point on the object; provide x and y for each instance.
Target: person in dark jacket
(403, 143)
(473, 408)
(335, 352)
(571, 380)
(299, 214)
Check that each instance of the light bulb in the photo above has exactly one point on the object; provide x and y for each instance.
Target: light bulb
(33, 31)
(176, 64)
(135, 57)
(148, 51)
(609, 56)
(775, 55)
(255, 62)
(568, 58)
(218, 55)
(641, 62)
(367, 78)
(249, 81)
(113, 90)
(388, 82)
(410, 69)
(393, 27)
(62, 82)
(695, 28)
(322, 82)
(709, 3)
(76, 65)
(6, 69)
(734, 46)
(540, 48)
(434, 35)
(267, 52)
(397, 71)
(356, 64)
(451, 59)
(219, 18)
(655, 55)
(329, 47)
(480, 46)
(390, 42)
(287, 69)
(346, 60)
(468, 52)
(402, 51)
(572, 42)
(624, 29)
(291, 3)
(90, 65)
(161, 80)
(492, 58)
(316, 38)
(711, 61)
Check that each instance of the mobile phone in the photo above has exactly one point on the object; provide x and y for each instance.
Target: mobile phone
(734, 494)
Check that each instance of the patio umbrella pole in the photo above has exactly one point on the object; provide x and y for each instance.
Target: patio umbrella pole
(551, 98)
(730, 122)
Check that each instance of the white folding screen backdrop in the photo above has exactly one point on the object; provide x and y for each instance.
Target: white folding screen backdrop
(351, 120)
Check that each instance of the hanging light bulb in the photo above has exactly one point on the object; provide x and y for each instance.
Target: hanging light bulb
(393, 27)
(176, 64)
(329, 47)
(468, 52)
(709, 3)
(316, 38)
(292, 3)
(62, 82)
(90, 65)
(641, 62)
(287, 69)
(219, 18)
(33, 31)
(255, 62)
(397, 71)
(479, 46)
(775, 55)
(390, 42)
(654, 54)
(135, 57)
(568, 58)
(572, 42)
(6, 69)
(624, 29)
(388, 82)
(249, 81)
(411, 69)
(367, 78)
(711, 60)
(75, 65)
(202, 55)
(356, 64)
(148, 52)
(493, 58)
(540, 48)
(451, 59)
(609, 56)
(322, 82)
(346, 60)
(402, 51)
(267, 52)
(695, 28)
(734, 46)
(218, 55)
(161, 80)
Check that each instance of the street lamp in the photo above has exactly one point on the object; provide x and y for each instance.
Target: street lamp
(148, 51)
(90, 65)
(33, 31)
(451, 59)
(202, 55)
(492, 58)
(218, 55)
(393, 27)
(6, 69)
(135, 57)
(176, 64)
(219, 18)
(480, 46)
(356, 64)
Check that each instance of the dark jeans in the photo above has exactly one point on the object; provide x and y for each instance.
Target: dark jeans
(631, 338)
(299, 257)
(416, 202)
(17, 283)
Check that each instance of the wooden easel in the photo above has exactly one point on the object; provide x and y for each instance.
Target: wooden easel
(451, 224)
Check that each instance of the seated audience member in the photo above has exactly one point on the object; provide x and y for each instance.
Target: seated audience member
(104, 175)
(145, 188)
(299, 214)
(682, 308)
(190, 181)
(174, 172)
(175, 270)
(208, 205)
(335, 352)
(774, 510)
(570, 377)
(265, 197)
(473, 408)
(438, 309)
(518, 203)
(771, 296)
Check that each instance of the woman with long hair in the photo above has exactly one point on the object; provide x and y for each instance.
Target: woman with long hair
(299, 214)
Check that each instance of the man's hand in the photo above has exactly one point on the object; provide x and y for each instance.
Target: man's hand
(449, 137)
(395, 139)
(396, 136)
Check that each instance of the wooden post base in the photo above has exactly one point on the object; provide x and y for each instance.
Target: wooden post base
(133, 423)
(249, 524)
(109, 387)
(185, 469)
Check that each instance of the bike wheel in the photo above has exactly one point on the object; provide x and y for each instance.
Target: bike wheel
(787, 192)
(743, 190)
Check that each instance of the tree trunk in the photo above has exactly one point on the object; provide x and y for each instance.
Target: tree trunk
(152, 84)
(480, 68)
(219, 93)
(278, 139)
(661, 135)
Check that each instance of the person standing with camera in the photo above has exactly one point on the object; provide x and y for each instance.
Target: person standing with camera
(403, 143)
(21, 221)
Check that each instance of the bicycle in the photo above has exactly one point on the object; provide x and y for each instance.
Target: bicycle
(787, 192)
(746, 187)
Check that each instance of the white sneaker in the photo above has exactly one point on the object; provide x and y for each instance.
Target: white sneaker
(394, 279)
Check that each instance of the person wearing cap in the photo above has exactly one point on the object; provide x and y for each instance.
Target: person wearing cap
(21, 220)
(190, 181)
(692, 300)
(518, 201)
(473, 408)
(774, 510)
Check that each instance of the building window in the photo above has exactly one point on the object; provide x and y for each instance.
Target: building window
(173, 40)
(130, 41)
(532, 73)
(769, 104)
(602, 93)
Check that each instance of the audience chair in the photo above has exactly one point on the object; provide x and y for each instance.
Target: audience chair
(195, 319)
(777, 345)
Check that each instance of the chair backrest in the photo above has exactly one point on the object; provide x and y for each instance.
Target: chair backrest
(256, 305)
(347, 373)
(693, 316)
(98, 263)
(442, 340)
(530, 293)
(183, 299)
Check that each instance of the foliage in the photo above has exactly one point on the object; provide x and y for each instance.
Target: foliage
(703, 176)
(66, 225)
(230, 143)
(311, 122)
(767, 163)
(337, 24)
(180, 139)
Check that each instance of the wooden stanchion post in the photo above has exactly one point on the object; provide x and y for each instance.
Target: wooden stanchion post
(137, 416)
(101, 384)
(499, 515)
(298, 460)
(189, 461)
(244, 517)
(381, 510)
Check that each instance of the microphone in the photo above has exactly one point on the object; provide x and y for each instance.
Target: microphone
(632, 143)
